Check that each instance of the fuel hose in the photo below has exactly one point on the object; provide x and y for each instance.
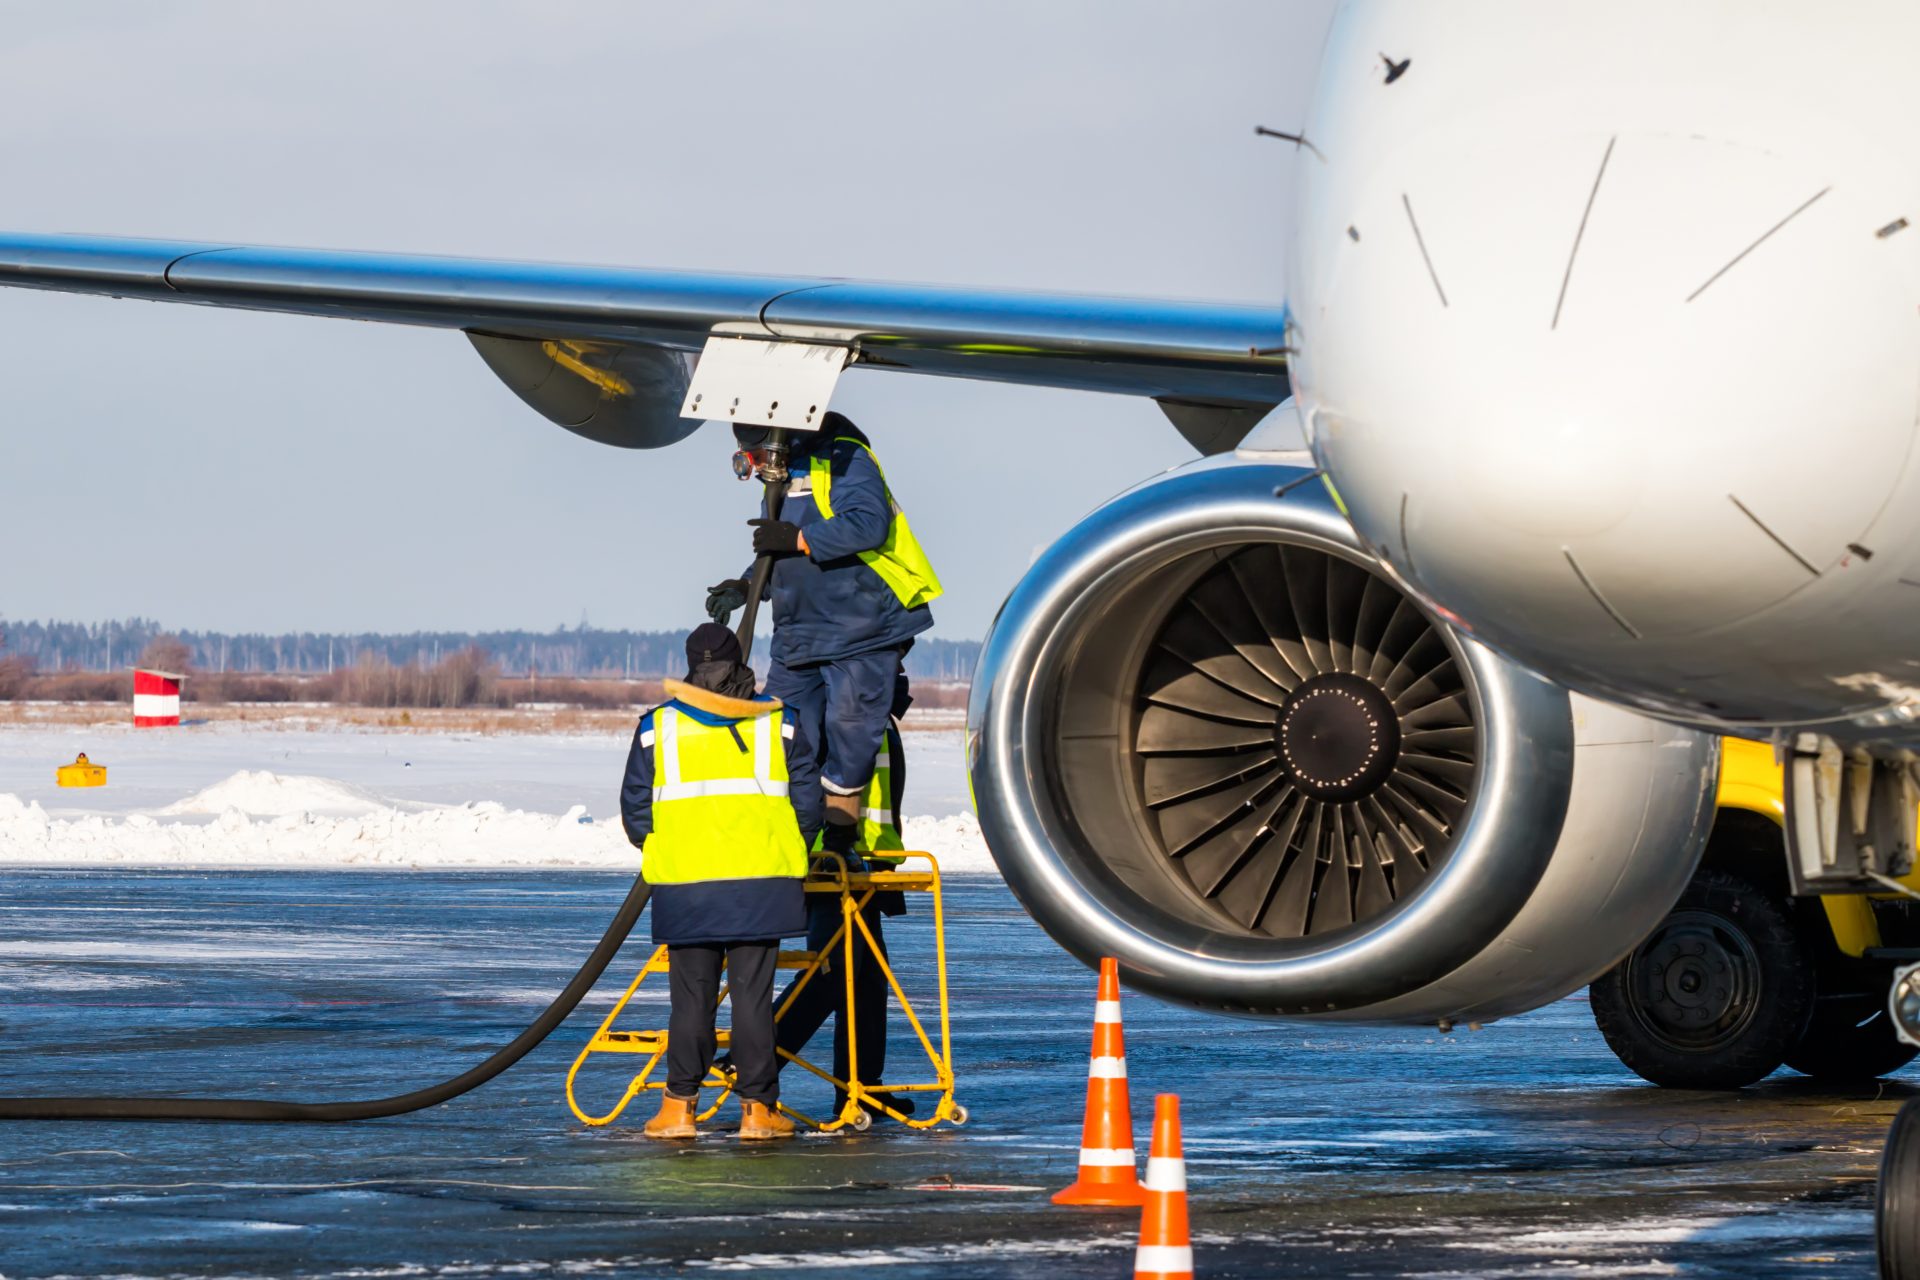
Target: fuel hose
(278, 1111)
(368, 1109)
(762, 570)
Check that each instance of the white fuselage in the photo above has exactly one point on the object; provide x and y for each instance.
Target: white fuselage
(1606, 322)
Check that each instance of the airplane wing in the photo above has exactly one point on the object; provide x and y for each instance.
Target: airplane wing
(608, 351)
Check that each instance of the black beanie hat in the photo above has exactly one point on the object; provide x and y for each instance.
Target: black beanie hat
(711, 642)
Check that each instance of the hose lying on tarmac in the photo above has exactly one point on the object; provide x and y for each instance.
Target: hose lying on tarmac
(371, 1109)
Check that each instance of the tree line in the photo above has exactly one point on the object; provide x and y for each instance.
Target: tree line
(578, 652)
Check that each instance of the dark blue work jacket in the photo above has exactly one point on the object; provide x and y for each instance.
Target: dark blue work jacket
(829, 603)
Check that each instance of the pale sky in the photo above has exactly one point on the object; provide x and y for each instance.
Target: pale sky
(220, 469)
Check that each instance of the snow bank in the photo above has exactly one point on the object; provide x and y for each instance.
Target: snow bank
(257, 792)
(261, 819)
(954, 841)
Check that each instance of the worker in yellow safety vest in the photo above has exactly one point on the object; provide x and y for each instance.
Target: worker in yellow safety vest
(722, 797)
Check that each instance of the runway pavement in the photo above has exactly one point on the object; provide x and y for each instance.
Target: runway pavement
(1523, 1149)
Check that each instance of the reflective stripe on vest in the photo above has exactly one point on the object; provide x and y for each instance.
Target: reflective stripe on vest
(899, 561)
(720, 812)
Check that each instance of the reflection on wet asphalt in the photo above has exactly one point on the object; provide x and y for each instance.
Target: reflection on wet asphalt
(1521, 1150)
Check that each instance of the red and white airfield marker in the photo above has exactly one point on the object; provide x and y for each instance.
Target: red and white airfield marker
(156, 698)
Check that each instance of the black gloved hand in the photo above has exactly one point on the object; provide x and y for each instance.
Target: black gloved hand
(771, 537)
(724, 597)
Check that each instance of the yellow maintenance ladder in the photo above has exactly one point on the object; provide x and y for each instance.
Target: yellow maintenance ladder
(855, 890)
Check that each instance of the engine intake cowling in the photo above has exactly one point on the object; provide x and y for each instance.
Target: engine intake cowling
(1211, 738)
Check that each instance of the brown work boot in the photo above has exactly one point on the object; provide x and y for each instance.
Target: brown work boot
(762, 1123)
(675, 1119)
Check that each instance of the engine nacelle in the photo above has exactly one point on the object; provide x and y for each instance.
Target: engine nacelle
(1211, 738)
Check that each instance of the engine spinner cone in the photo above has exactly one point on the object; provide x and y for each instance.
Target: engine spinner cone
(1338, 737)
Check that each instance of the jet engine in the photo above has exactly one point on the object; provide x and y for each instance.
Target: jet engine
(1210, 736)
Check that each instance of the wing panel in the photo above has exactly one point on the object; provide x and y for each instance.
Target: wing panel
(1133, 346)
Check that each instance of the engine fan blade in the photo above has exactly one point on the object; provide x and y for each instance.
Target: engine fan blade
(1168, 778)
(1262, 580)
(1186, 824)
(1423, 655)
(1457, 774)
(1418, 816)
(1232, 854)
(1403, 630)
(1245, 896)
(1441, 682)
(1405, 844)
(1306, 578)
(1287, 917)
(1193, 639)
(1374, 895)
(1346, 584)
(1163, 729)
(1172, 683)
(1219, 599)
(1407, 875)
(1446, 713)
(1333, 900)
(1429, 740)
(1377, 604)
(1170, 731)
(1442, 798)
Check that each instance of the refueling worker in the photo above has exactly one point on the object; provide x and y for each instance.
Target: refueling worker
(722, 797)
(826, 994)
(850, 588)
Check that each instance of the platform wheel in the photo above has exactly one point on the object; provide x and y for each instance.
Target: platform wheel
(1716, 996)
(1897, 1205)
(1850, 1041)
(958, 1115)
(857, 1118)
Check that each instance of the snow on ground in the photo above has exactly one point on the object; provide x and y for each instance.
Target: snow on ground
(258, 791)
(225, 795)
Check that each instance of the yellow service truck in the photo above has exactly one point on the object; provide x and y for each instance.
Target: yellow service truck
(1743, 976)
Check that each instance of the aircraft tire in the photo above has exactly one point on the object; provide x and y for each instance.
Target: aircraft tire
(1850, 1041)
(1716, 995)
(1896, 1210)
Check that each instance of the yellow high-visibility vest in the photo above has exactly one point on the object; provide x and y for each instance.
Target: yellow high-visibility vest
(720, 804)
(879, 824)
(899, 561)
(879, 833)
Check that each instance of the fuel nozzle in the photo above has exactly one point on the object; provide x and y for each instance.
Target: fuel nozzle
(773, 458)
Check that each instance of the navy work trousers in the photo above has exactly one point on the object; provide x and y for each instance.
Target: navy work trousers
(826, 992)
(693, 974)
(843, 708)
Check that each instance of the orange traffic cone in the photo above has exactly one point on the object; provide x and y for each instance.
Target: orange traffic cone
(1166, 1251)
(1106, 1143)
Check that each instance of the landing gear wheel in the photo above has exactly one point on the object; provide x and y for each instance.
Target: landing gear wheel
(1897, 1205)
(1716, 995)
(1850, 1041)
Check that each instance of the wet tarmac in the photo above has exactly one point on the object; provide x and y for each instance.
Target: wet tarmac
(1524, 1149)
